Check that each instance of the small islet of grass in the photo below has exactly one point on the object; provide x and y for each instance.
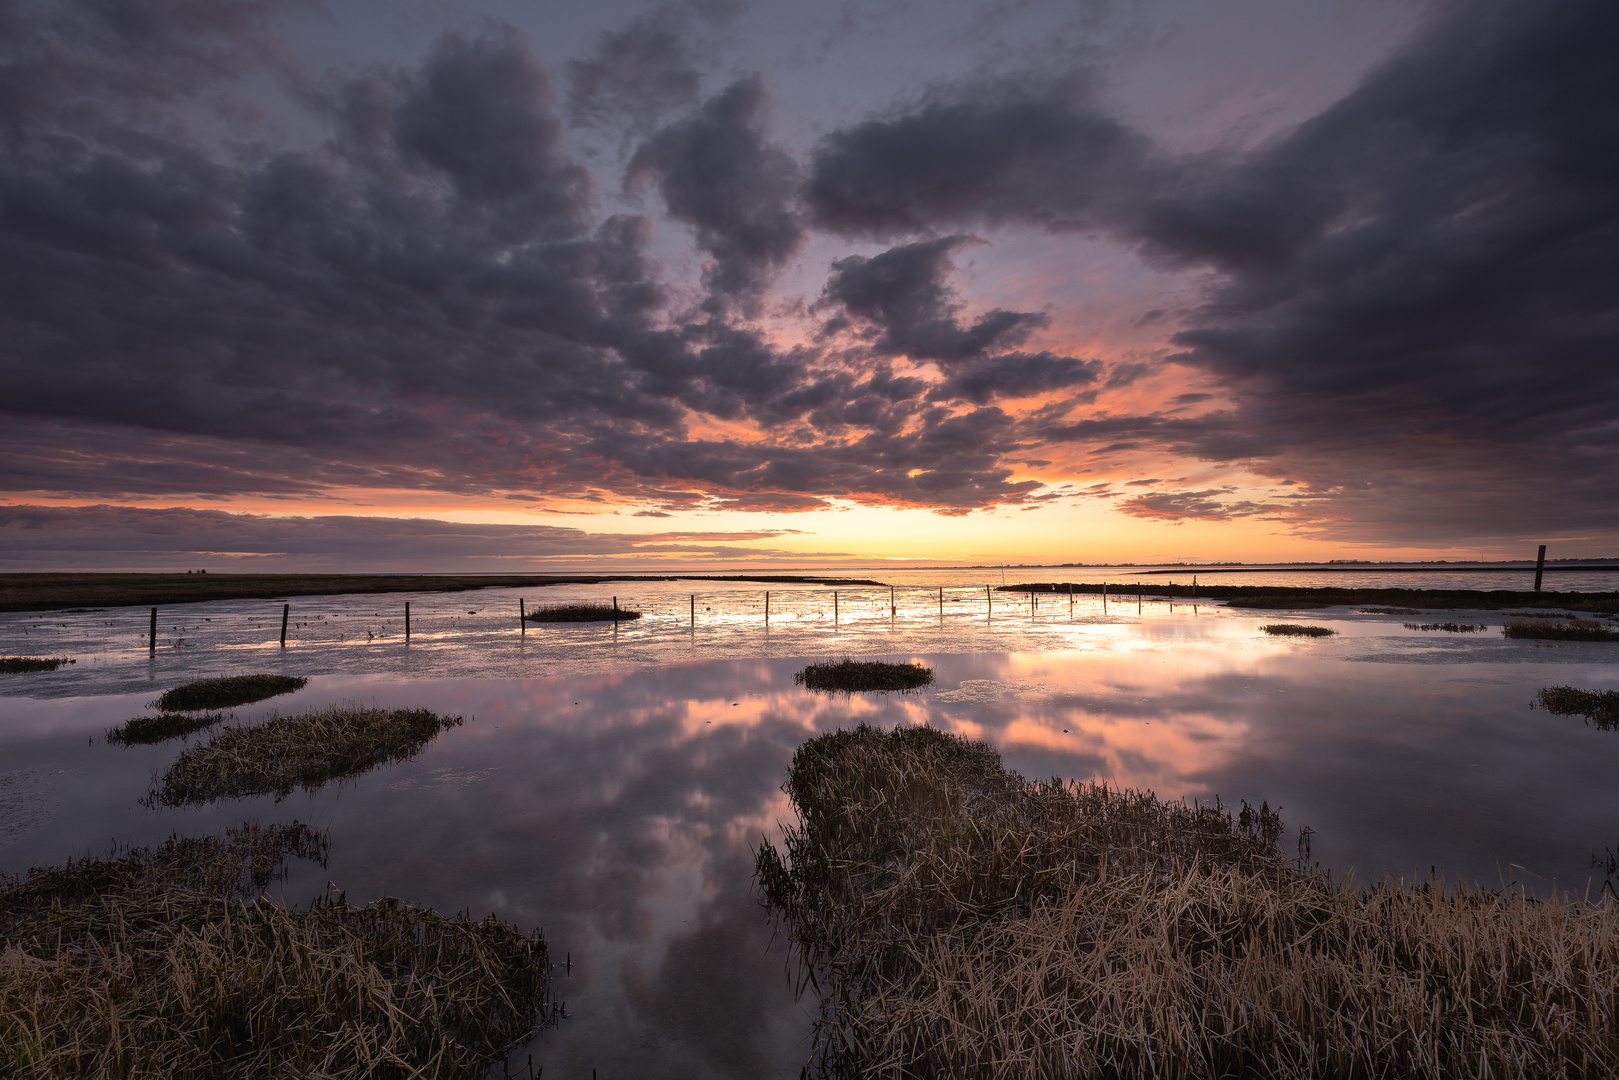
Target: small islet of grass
(850, 676)
(1560, 629)
(1599, 707)
(569, 613)
(305, 751)
(169, 961)
(1448, 627)
(18, 665)
(227, 692)
(146, 730)
(1296, 630)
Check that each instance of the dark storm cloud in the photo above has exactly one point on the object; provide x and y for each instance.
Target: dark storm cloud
(112, 536)
(1425, 272)
(716, 170)
(411, 290)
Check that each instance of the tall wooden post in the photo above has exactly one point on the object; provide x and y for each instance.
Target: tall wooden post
(615, 612)
(892, 607)
(151, 637)
(834, 607)
(522, 616)
(1104, 598)
(407, 621)
(941, 601)
(1540, 566)
(285, 608)
(694, 611)
(767, 609)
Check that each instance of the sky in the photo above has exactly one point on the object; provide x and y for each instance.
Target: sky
(512, 286)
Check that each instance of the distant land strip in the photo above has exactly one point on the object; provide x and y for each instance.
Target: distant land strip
(55, 592)
(1307, 568)
(1285, 597)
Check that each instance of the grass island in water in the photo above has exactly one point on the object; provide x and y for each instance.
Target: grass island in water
(18, 665)
(1296, 630)
(229, 691)
(169, 962)
(852, 676)
(564, 613)
(955, 919)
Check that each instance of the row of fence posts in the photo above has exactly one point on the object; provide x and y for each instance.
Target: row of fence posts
(893, 610)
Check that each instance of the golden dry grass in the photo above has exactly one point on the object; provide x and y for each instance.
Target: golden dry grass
(851, 676)
(956, 920)
(1564, 628)
(164, 963)
(228, 691)
(303, 751)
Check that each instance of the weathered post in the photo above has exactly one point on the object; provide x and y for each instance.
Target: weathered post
(285, 608)
(407, 622)
(834, 607)
(893, 609)
(1540, 566)
(151, 637)
(1070, 596)
(522, 616)
(615, 612)
(941, 601)
(1104, 598)
(694, 611)
(767, 609)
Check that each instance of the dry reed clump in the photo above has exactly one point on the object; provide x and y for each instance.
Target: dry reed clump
(287, 752)
(1389, 611)
(581, 613)
(145, 730)
(1600, 707)
(167, 963)
(1560, 629)
(852, 676)
(1296, 630)
(17, 665)
(958, 920)
(229, 691)
(1448, 627)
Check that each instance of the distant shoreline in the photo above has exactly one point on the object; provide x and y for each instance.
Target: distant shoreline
(56, 592)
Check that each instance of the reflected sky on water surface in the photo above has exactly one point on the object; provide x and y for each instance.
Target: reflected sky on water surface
(613, 793)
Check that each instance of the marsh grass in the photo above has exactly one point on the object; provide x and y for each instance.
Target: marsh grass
(1448, 627)
(17, 665)
(955, 919)
(1296, 630)
(305, 751)
(168, 962)
(229, 691)
(1560, 629)
(145, 730)
(581, 613)
(1599, 707)
(852, 676)
(1389, 611)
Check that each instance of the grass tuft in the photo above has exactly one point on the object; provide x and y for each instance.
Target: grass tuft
(955, 919)
(227, 692)
(1560, 629)
(852, 676)
(1600, 707)
(1449, 627)
(1296, 630)
(1389, 611)
(169, 962)
(17, 665)
(145, 730)
(304, 751)
(581, 613)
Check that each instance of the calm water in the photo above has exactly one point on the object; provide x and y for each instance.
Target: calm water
(610, 787)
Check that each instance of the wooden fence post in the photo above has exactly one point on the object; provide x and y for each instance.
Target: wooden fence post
(151, 637)
(407, 621)
(1540, 566)
(522, 616)
(285, 608)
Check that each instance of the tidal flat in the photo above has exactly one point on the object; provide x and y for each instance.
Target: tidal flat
(612, 785)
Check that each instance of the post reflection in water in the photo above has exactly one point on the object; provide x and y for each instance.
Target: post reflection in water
(618, 808)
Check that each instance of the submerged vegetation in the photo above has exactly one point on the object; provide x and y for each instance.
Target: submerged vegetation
(581, 613)
(17, 665)
(956, 919)
(1296, 630)
(1449, 627)
(167, 961)
(229, 691)
(1600, 707)
(144, 730)
(1562, 629)
(852, 676)
(287, 752)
